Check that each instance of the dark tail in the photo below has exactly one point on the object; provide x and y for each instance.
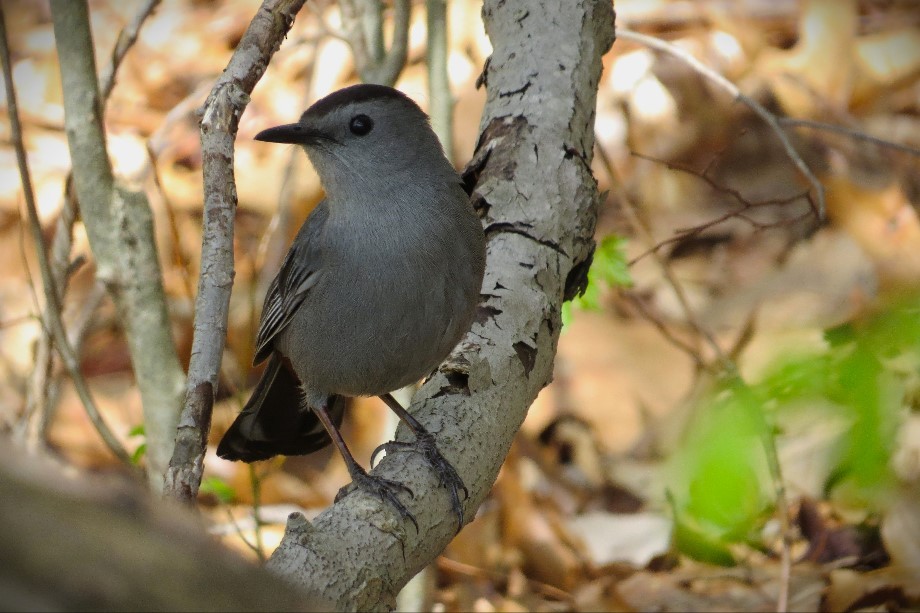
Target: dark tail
(276, 421)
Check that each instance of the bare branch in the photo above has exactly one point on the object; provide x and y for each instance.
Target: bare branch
(220, 120)
(769, 118)
(75, 543)
(793, 122)
(364, 34)
(740, 212)
(39, 401)
(440, 100)
(119, 225)
(645, 234)
(126, 39)
(51, 296)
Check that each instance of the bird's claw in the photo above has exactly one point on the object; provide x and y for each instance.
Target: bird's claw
(385, 489)
(447, 475)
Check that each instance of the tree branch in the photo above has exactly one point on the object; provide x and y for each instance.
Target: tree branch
(794, 122)
(53, 312)
(724, 84)
(364, 34)
(539, 202)
(220, 120)
(73, 543)
(126, 39)
(43, 388)
(120, 229)
(440, 101)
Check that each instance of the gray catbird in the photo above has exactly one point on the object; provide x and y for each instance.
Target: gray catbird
(380, 283)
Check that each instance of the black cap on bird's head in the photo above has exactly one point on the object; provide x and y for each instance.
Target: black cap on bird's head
(368, 133)
(304, 131)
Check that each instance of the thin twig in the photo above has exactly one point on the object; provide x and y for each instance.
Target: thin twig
(219, 122)
(57, 326)
(79, 327)
(645, 233)
(769, 118)
(126, 39)
(363, 20)
(662, 327)
(741, 212)
(179, 255)
(239, 532)
(793, 122)
(255, 482)
(447, 565)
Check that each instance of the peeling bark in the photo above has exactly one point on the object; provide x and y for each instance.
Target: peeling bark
(538, 199)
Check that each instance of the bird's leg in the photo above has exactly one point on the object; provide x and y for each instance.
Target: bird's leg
(425, 445)
(385, 489)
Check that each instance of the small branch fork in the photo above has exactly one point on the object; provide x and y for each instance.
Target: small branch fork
(769, 118)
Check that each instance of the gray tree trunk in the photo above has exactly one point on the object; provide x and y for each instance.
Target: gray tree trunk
(538, 199)
(120, 228)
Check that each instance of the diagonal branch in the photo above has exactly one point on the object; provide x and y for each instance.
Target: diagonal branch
(119, 225)
(43, 388)
(724, 84)
(364, 34)
(219, 122)
(53, 312)
(126, 39)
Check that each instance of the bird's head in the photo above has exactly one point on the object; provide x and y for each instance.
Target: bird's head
(365, 136)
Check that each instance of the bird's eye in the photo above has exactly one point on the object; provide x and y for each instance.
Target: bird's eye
(361, 125)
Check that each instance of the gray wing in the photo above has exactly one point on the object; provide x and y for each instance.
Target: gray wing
(299, 272)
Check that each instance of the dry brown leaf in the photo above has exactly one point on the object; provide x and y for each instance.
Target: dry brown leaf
(901, 531)
(883, 222)
(636, 538)
(818, 71)
(886, 589)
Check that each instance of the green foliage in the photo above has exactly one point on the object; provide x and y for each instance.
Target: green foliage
(141, 450)
(719, 475)
(609, 268)
(218, 488)
(857, 375)
(691, 539)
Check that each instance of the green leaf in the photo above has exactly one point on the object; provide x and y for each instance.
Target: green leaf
(138, 430)
(720, 476)
(609, 268)
(139, 453)
(566, 313)
(218, 488)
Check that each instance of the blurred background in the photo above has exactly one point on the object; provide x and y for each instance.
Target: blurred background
(740, 380)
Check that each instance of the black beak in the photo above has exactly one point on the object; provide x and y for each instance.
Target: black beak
(292, 133)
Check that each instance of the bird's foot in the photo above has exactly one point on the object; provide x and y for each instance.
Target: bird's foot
(447, 475)
(385, 489)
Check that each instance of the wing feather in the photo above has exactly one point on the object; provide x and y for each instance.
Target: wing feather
(299, 272)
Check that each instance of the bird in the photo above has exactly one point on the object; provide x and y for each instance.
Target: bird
(380, 283)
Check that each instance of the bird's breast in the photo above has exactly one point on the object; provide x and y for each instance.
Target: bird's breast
(391, 307)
